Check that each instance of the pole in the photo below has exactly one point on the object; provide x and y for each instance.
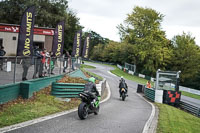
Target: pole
(14, 78)
(49, 71)
(60, 66)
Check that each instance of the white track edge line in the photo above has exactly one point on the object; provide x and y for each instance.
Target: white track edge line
(148, 123)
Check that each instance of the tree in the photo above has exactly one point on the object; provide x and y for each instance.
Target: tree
(186, 58)
(143, 28)
(96, 39)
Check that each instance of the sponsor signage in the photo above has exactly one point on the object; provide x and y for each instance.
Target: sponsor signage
(38, 31)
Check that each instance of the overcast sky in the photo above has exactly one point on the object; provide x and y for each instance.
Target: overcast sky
(102, 16)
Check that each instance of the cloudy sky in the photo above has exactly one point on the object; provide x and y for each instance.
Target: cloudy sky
(102, 16)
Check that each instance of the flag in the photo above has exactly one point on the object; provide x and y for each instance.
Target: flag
(25, 37)
(86, 47)
(77, 44)
(58, 39)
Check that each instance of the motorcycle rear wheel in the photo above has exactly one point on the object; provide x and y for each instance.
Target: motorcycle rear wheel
(83, 111)
(123, 96)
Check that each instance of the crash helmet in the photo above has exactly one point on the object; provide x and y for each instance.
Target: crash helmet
(92, 79)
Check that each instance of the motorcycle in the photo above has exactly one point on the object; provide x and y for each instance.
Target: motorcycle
(88, 105)
(123, 93)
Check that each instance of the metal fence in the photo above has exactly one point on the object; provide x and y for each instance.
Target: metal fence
(190, 108)
(15, 69)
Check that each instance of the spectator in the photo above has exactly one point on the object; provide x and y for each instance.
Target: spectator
(2, 53)
(26, 63)
(42, 64)
(148, 84)
(53, 59)
(66, 60)
(37, 61)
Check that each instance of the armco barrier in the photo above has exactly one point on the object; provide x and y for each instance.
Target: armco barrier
(149, 93)
(25, 89)
(190, 108)
(69, 90)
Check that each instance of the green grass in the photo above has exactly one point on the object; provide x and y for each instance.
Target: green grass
(93, 74)
(190, 95)
(92, 67)
(119, 73)
(87, 66)
(173, 120)
(27, 110)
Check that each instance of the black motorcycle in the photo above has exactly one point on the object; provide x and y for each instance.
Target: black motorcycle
(88, 105)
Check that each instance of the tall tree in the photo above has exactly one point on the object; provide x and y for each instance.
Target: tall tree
(143, 28)
(186, 58)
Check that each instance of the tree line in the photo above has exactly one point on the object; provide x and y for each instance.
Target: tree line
(144, 43)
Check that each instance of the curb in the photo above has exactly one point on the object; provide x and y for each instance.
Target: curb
(148, 128)
(41, 119)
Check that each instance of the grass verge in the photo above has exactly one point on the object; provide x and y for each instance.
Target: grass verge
(87, 66)
(119, 73)
(90, 73)
(173, 120)
(41, 104)
(190, 95)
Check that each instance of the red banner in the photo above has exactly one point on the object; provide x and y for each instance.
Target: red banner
(38, 31)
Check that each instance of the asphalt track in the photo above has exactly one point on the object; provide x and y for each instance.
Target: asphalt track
(115, 116)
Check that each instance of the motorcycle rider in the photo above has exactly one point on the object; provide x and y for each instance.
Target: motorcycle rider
(90, 87)
(122, 84)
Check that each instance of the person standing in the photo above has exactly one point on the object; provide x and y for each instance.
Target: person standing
(37, 60)
(2, 53)
(52, 63)
(148, 84)
(66, 60)
(26, 63)
(42, 64)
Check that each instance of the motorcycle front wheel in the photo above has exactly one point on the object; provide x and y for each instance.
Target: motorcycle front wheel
(96, 111)
(83, 111)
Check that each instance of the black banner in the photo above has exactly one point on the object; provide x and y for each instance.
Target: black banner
(77, 44)
(25, 37)
(58, 39)
(86, 47)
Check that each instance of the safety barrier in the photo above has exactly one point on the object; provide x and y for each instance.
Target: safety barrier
(190, 108)
(9, 92)
(149, 93)
(25, 89)
(71, 90)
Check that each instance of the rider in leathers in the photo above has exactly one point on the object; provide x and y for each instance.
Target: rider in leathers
(123, 84)
(91, 88)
